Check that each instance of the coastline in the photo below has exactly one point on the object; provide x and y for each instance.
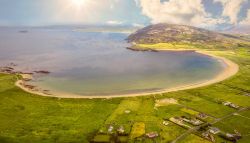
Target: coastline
(230, 70)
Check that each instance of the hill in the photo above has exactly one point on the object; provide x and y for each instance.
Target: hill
(169, 33)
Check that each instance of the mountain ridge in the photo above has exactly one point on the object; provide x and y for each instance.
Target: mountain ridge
(167, 33)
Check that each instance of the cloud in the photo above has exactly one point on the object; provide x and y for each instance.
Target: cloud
(188, 12)
(138, 25)
(90, 12)
(231, 9)
(114, 22)
(246, 21)
(137, 2)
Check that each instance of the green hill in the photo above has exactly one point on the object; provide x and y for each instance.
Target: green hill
(169, 33)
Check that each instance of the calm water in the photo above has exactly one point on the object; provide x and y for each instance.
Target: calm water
(99, 63)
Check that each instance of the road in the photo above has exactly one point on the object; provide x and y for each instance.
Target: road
(214, 122)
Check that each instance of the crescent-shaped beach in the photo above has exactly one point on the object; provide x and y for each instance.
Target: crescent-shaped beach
(230, 70)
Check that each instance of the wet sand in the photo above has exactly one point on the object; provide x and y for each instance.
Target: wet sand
(230, 70)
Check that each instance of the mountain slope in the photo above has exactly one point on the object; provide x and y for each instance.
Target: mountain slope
(166, 33)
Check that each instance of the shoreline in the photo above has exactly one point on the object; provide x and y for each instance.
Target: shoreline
(230, 70)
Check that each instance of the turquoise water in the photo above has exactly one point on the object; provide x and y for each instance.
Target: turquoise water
(97, 63)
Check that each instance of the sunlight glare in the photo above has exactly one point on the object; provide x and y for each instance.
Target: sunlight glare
(78, 3)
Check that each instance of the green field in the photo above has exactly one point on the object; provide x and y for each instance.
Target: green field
(28, 118)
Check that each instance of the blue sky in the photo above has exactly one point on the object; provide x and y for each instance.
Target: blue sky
(202, 13)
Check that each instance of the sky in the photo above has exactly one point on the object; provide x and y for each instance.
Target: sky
(200, 13)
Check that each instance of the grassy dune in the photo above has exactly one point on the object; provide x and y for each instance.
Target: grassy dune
(30, 118)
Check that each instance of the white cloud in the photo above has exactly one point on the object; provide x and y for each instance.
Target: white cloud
(89, 12)
(138, 25)
(114, 22)
(137, 2)
(231, 9)
(188, 12)
(246, 21)
(111, 6)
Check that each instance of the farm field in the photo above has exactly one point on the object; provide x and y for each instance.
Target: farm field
(30, 118)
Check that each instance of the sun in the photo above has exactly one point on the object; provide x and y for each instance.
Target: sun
(78, 3)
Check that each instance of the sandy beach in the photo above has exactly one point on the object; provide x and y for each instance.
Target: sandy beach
(230, 70)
